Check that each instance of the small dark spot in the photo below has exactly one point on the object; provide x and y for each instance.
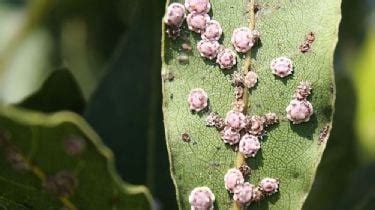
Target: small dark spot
(256, 8)
(295, 175)
(61, 184)
(168, 77)
(171, 96)
(185, 137)
(215, 120)
(323, 135)
(245, 170)
(215, 164)
(310, 37)
(331, 88)
(218, 148)
(258, 105)
(74, 145)
(173, 32)
(306, 45)
(238, 92)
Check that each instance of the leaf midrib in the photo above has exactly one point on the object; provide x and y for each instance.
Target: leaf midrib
(240, 159)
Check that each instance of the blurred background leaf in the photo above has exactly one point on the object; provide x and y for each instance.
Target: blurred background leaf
(56, 161)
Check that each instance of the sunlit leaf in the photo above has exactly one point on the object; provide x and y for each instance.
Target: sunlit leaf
(289, 152)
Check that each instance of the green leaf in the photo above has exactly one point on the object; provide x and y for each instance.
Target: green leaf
(289, 152)
(59, 92)
(38, 151)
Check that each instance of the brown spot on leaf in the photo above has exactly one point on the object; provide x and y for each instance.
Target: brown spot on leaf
(185, 137)
(323, 135)
(306, 45)
(245, 170)
(168, 77)
(173, 32)
(256, 7)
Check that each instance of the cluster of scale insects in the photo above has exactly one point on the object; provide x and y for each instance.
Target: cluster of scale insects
(236, 129)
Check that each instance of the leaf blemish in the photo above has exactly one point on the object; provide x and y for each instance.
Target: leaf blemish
(168, 77)
(306, 45)
(323, 135)
(215, 120)
(185, 137)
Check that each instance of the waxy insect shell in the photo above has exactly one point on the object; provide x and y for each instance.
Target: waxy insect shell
(226, 59)
(198, 6)
(281, 66)
(208, 49)
(213, 31)
(232, 178)
(201, 198)
(249, 145)
(243, 193)
(174, 15)
(243, 39)
(198, 99)
(299, 111)
(197, 22)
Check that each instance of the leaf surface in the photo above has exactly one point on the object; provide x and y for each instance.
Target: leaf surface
(289, 152)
